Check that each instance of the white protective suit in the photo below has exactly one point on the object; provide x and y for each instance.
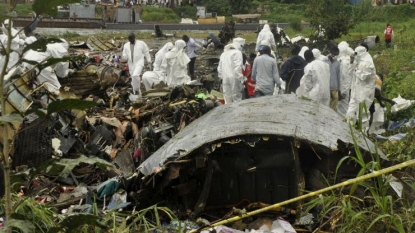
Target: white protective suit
(302, 51)
(239, 41)
(47, 76)
(345, 76)
(265, 34)
(15, 43)
(230, 71)
(363, 84)
(175, 63)
(315, 83)
(59, 50)
(136, 63)
(318, 56)
(29, 40)
(158, 74)
(265, 42)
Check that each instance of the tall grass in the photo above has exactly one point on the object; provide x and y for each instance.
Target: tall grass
(42, 216)
(369, 206)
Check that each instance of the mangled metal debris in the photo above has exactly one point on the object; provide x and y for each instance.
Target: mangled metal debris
(119, 131)
(262, 150)
(200, 162)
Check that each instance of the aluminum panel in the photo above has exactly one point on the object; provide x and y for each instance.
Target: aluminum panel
(284, 115)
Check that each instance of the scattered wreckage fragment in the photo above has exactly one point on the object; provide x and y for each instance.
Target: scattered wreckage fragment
(93, 79)
(117, 129)
(158, 33)
(264, 150)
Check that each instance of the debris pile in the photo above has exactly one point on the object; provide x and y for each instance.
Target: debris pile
(125, 153)
(71, 156)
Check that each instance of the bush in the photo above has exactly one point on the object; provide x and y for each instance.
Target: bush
(221, 7)
(188, 11)
(159, 14)
(295, 23)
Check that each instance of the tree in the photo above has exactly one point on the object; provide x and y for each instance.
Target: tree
(240, 6)
(330, 16)
(221, 7)
(8, 118)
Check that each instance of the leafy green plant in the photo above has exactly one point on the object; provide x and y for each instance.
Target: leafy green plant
(30, 216)
(187, 11)
(221, 7)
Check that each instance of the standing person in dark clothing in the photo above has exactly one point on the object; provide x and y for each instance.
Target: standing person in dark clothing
(192, 48)
(293, 70)
(379, 98)
(277, 36)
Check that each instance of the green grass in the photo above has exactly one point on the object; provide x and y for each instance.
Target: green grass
(21, 9)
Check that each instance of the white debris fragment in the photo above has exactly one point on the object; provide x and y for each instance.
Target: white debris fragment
(401, 104)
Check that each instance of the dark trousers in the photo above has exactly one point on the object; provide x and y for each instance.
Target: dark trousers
(192, 66)
(388, 43)
(259, 94)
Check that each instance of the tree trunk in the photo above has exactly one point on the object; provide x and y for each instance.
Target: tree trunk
(4, 128)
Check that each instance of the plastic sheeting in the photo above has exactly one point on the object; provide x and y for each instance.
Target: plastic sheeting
(401, 104)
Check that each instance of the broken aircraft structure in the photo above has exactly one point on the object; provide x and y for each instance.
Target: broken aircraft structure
(261, 150)
(179, 149)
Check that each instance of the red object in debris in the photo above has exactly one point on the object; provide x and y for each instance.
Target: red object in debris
(64, 189)
(125, 68)
(222, 101)
(97, 58)
(137, 153)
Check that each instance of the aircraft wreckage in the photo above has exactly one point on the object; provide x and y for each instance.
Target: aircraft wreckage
(189, 153)
(264, 150)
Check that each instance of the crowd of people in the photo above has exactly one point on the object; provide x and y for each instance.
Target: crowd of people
(341, 80)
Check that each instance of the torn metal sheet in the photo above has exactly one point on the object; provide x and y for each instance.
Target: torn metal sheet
(124, 162)
(34, 143)
(284, 115)
(97, 44)
(17, 89)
